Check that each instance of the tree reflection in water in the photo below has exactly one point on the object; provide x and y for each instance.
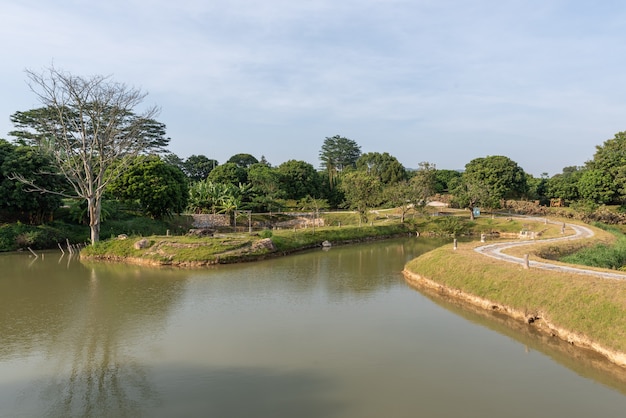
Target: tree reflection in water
(88, 326)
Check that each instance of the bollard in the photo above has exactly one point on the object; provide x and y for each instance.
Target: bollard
(455, 244)
(526, 262)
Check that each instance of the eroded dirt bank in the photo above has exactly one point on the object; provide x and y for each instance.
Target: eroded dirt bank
(520, 317)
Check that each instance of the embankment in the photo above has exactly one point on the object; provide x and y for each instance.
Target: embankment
(585, 310)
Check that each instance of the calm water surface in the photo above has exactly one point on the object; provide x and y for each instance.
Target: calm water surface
(333, 333)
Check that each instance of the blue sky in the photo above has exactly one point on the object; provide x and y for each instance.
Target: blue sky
(445, 81)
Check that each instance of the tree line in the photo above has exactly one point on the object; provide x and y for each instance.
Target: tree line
(87, 145)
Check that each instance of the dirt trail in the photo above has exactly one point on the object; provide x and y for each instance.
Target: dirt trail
(495, 251)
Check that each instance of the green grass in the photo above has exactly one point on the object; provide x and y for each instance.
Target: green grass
(233, 247)
(593, 307)
(610, 256)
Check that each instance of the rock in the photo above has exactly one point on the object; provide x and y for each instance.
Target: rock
(326, 244)
(263, 244)
(141, 244)
(122, 236)
(201, 232)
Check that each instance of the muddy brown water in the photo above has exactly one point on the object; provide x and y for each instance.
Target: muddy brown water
(334, 333)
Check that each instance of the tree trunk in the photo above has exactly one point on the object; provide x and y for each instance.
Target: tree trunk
(94, 209)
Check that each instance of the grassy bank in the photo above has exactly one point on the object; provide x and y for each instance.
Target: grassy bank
(590, 308)
(229, 247)
(234, 247)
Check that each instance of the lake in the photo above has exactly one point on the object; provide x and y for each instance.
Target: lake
(325, 333)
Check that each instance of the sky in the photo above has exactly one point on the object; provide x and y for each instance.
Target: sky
(443, 81)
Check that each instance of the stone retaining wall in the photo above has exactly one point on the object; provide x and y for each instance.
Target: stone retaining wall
(208, 220)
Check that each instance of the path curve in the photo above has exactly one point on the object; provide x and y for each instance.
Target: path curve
(495, 251)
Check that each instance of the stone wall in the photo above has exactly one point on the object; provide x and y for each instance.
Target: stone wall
(207, 220)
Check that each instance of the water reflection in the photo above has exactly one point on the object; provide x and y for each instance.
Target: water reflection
(582, 361)
(246, 392)
(82, 317)
(320, 334)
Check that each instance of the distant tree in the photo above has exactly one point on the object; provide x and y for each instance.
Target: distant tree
(538, 188)
(337, 154)
(173, 159)
(198, 167)
(470, 194)
(386, 167)
(610, 158)
(160, 189)
(413, 194)
(15, 200)
(333, 194)
(299, 179)
(399, 195)
(229, 173)
(502, 177)
(243, 160)
(596, 186)
(86, 126)
(565, 185)
(363, 191)
(264, 161)
(266, 191)
(423, 183)
(444, 179)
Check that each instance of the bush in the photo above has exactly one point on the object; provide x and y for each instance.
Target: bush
(266, 233)
(20, 236)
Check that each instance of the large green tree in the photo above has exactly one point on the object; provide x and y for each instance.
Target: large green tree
(229, 173)
(337, 154)
(504, 178)
(385, 166)
(299, 179)
(610, 159)
(88, 128)
(486, 181)
(596, 186)
(159, 188)
(243, 160)
(198, 167)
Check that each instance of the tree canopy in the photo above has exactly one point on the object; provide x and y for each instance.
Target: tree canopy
(229, 173)
(243, 160)
(160, 189)
(384, 166)
(337, 154)
(15, 201)
(299, 179)
(363, 191)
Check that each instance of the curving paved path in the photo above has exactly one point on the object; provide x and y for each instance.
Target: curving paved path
(495, 251)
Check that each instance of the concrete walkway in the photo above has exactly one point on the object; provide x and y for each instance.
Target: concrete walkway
(495, 251)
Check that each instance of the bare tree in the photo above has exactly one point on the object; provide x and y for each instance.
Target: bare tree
(88, 127)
